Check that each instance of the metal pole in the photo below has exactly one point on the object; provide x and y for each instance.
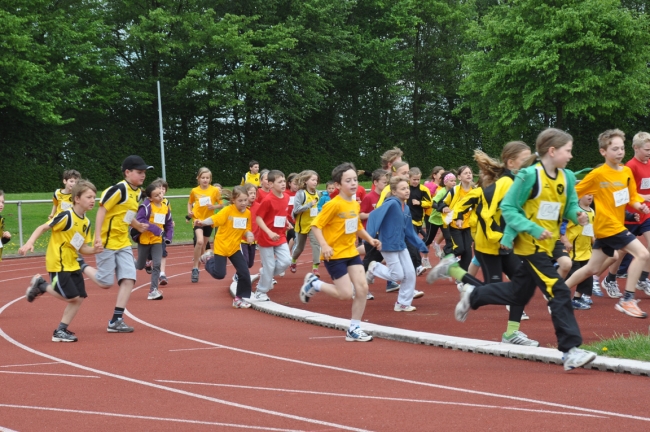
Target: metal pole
(162, 146)
(20, 223)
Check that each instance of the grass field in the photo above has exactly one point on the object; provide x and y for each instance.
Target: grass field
(34, 215)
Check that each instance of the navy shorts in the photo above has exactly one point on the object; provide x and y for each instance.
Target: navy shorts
(613, 243)
(638, 229)
(69, 284)
(338, 268)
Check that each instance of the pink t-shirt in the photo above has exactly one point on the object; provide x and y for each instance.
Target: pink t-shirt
(641, 172)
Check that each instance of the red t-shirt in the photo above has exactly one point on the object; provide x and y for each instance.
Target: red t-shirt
(255, 229)
(261, 195)
(368, 204)
(291, 196)
(641, 173)
(361, 194)
(273, 211)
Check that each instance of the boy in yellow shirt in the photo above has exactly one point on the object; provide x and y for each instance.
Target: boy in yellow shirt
(62, 199)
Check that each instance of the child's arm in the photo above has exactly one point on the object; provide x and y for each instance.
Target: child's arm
(273, 236)
(299, 205)
(53, 212)
(190, 203)
(169, 227)
(29, 246)
(513, 212)
(325, 248)
(99, 220)
(426, 202)
(363, 234)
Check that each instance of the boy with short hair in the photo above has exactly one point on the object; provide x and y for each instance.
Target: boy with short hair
(62, 199)
(613, 186)
(5, 236)
(272, 222)
(117, 211)
(253, 175)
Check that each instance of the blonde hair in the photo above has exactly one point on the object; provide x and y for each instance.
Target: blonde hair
(202, 171)
(393, 182)
(415, 171)
(304, 176)
(546, 139)
(605, 138)
(389, 157)
(396, 166)
(491, 169)
(640, 139)
(236, 192)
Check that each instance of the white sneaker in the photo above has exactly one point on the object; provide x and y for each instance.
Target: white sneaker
(403, 308)
(439, 253)
(370, 277)
(260, 296)
(369, 296)
(155, 294)
(577, 357)
(463, 306)
(426, 264)
(281, 274)
(611, 288)
(206, 256)
(420, 270)
(524, 316)
(417, 294)
(644, 285)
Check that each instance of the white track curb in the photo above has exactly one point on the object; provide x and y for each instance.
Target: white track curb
(545, 355)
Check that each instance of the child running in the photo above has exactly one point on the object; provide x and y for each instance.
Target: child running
(540, 197)
(265, 186)
(234, 222)
(304, 211)
(613, 186)
(158, 217)
(248, 247)
(62, 199)
(436, 218)
(325, 196)
(419, 202)
(204, 200)
(336, 229)
(393, 222)
(433, 184)
(70, 236)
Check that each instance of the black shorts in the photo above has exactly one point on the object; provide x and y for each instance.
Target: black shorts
(69, 284)
(291, 235)
(613, 243)
(587, 285)
(559, 251)
(207, 231)
(639, 229)
(338, 268)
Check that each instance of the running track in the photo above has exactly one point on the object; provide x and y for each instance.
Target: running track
(194, 363)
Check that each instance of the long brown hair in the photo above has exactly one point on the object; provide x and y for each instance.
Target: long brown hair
(491, 169)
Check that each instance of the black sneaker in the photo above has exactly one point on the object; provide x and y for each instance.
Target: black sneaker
(63, 335)
(195, 275)
(36, 287)
(148, 267)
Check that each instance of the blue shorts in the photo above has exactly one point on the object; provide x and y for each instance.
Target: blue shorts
(639, 229)
(338, 268)
(613, 243)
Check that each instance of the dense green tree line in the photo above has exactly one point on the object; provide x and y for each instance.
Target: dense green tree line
(307, 83)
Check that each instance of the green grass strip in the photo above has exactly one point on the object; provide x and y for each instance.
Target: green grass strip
(635, 346)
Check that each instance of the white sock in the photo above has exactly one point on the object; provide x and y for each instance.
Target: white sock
(596, 279)
(317, 284)
(354, 324)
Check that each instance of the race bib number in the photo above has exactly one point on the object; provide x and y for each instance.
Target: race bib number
(77, 241)
(621, 197)
(128, 217)
(65, 205)
(239, 223)
(204, 201)
(313, 212)
(645, 183)
(159, 218)
(292, 199)
(588, 230)
(549, 210)
(449, 218)
(351, 225)
(280, 221)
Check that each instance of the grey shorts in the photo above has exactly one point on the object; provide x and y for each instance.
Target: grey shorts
(119, 262)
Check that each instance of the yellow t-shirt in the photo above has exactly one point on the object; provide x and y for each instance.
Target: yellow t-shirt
(62, 201)
(232, 224)
(581, 237)
(167, 203)
(200, 198)
(251, 178)
(454, 196)
(545, 207)
(339, 221)
(304, 219)
(68, 230)
(158, 213)
(121, 204)
(609, 188)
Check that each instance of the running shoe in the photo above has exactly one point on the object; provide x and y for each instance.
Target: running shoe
(439, 253)
(357, 335)
(463, 306)
(621, 275)
(576, 358)
(274, 282)
(307, 290)
(148, 267)
(281, 274)
(459, 285)
(403, 308)
(155, 294)
(420, 270)
(370, 278)
(596, 289)
(519, 338)
(260, 296)
(63, 335)
(235, 278)
(630, 308)
(524, 316)
(206, 256)
(293, 267)
(195, 275)
(392, 286)
(239, 303)
(612, 289)
(426, 263)
(315, 272)
(441, 270)
(579, 304)
(119, 326)
(369, 296)
(587, 299)
(417, 294)
(37, 287)
(644, 285)
(162, 280)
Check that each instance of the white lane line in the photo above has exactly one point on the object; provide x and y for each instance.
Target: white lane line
(4, 429)
(392, 399)
(327, 337)
(139, 417)
(165, 388)
(194, 349)
(29, 364)
(48, 374)
(17, 278)
(383, 377)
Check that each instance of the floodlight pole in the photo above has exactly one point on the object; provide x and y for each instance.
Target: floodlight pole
(162, 146)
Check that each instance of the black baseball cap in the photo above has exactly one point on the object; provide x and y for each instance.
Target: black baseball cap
(135, 162)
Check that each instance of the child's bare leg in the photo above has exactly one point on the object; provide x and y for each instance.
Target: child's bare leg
(641, 255)
(199, 248)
